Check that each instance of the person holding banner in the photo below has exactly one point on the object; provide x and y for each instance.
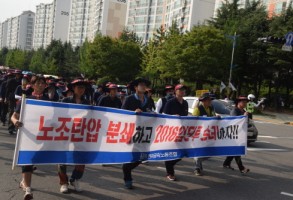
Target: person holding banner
(137, 102)
(111, 100)
(78, 86)
(204, 109)
(169, 90)
(176, 106)
(39, 85)
(241, 103)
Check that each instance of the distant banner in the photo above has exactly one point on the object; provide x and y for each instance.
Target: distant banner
(59, 133)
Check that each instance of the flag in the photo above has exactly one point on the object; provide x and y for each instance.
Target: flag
(232, 87)
(222, 87)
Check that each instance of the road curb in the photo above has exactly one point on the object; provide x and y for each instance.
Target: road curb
(267, 120)
(289, 123)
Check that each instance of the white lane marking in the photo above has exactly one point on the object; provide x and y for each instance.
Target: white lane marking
(259, 141)
(287, 194)
(267, 136)
(274, 137)
(177, 171)
(264, 149)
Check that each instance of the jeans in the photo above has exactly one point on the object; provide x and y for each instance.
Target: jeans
(198, 162)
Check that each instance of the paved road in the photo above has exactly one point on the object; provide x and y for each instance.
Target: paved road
(270, 161)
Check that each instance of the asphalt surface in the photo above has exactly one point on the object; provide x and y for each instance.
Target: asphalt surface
(269, 159)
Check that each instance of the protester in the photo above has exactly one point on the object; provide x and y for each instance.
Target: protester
(98, 92)
(3, 102)
(137, 102)
(241, 103)
(23, 88)
(78, 86)
(149, 93)
(39, 85)
(51, 90)
(67, 93)
(10, 97)
(179, 107)
(169, 90)
(111, 100)
(205, 109)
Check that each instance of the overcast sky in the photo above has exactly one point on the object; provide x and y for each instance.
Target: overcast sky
(12, 8)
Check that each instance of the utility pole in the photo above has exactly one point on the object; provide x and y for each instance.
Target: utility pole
(232, 60)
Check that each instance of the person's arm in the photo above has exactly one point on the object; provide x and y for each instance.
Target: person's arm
(159, 105)
(196, 112)
(15, 116)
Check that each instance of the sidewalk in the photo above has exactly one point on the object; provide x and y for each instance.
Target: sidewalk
(274, 117)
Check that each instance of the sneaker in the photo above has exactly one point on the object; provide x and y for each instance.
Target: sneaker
(76, 185)
(245, 171)
(128, 184)
(28, 194)
(171, 178)
(197, 172)
(228, 167)
(64, 188)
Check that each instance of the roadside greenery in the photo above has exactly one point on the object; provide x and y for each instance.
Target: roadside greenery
(200, 57)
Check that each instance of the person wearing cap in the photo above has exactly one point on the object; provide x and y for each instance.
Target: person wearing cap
(149, 93)
(111, 100)
(122, 96)
(239, 109)
(98, 92)
(169, 90)
(4, 111)
(179, 107)
(78, 86)
(205, 109)
(137, 102)
(67, 93)
(10, 97)
(23, 88)
(39, 85)
(51, 90)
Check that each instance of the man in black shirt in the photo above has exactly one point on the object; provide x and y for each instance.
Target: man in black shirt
(137, 102)
(111, 100)
(241, 102)
(176, 106)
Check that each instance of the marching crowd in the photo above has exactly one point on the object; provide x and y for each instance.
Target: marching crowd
(79, 91)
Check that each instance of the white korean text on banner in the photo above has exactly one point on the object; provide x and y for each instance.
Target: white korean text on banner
(78, 134)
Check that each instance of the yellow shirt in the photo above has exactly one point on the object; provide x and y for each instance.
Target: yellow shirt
(196, 111)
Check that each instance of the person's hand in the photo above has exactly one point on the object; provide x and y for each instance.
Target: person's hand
(218, 116)
(246, 113)
(5, 101)
(18, 124)
(138, 110)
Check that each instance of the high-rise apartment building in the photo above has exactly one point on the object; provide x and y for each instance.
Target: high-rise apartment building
(17, 32)
(51, 22)
(145, 16)
(109, 17)
(89, 17)
(273, 7)
(78, 23)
